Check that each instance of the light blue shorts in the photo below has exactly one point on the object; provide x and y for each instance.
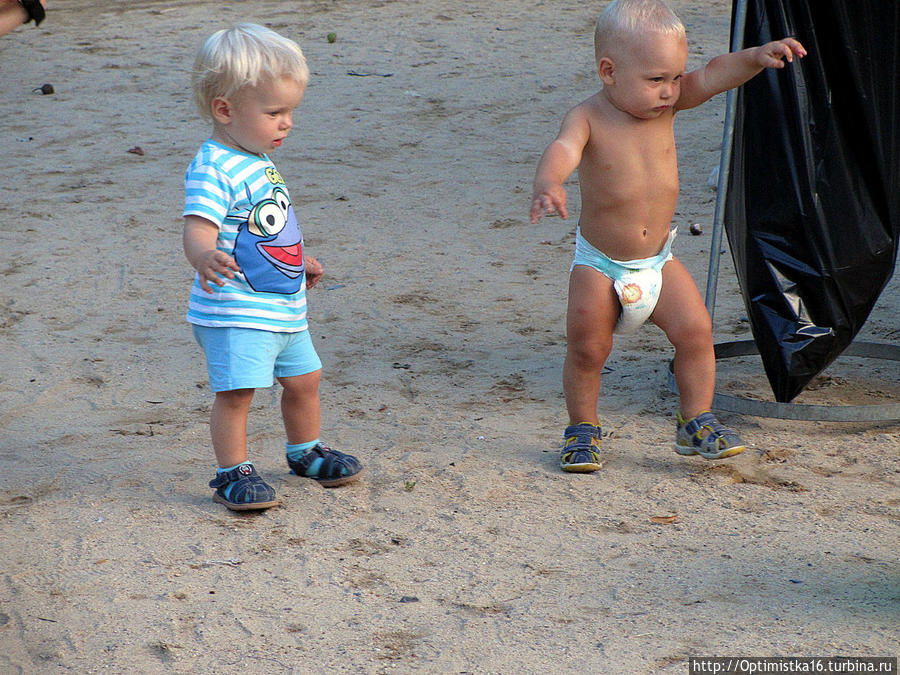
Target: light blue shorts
(246, 358)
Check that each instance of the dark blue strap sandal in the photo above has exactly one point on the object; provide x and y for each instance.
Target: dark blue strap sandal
(581, 452)
(242, 489)
(329, 468)
(704, 435)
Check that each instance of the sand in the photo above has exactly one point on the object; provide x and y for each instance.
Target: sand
(441, 325)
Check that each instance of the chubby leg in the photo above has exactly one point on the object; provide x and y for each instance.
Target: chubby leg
(241, 488)
(228, 426)
(591, 317)
(302, 415)
(682, 315)
(300, 407)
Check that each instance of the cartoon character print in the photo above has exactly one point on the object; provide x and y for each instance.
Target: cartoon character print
(269, 245)
(631, 293)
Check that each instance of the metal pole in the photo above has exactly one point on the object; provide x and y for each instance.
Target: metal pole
(715, 246)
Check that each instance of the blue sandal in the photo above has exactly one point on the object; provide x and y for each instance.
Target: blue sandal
(329, 468)
(705, 436)
(242, 489)
(581, 453)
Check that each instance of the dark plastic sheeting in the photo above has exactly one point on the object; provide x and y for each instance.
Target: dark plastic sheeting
(812, 210)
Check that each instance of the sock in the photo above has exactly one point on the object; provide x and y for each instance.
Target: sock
(297, 450)
(229, 468)
(230, 486)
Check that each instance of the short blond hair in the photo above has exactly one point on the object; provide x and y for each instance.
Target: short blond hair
(245, 55)
(623, 19)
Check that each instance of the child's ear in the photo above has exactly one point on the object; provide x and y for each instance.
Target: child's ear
(606, 69)
(221, 109)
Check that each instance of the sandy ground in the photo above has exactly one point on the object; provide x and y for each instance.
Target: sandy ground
(464, 549)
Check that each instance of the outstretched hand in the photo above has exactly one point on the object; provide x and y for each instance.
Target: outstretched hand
(547, 201)
(774, 54)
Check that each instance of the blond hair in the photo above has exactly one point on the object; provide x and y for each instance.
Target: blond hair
(623, 19)
(245, 55)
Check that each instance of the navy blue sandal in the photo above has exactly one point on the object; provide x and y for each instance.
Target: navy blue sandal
(242, 489)
(704, 435)
(327, 467)
(581, 453)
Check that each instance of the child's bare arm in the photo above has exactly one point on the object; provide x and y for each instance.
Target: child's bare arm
(732, 70)
(559, 160)
(211, 264)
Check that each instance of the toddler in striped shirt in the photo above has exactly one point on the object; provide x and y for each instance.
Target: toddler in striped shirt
(248, 300)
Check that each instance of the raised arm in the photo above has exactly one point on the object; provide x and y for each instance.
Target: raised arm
(559, 160)
(732, 70)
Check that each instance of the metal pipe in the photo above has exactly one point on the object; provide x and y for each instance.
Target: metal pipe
(715, 245)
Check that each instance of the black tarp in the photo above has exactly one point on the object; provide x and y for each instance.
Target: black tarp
(812, 209)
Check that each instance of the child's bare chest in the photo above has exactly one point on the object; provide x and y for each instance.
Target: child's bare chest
(635, 153)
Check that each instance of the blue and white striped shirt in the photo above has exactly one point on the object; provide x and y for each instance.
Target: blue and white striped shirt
(246, 198)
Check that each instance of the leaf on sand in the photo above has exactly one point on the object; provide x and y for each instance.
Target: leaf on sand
(664, 520)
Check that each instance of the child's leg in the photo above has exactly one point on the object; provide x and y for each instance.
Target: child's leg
(591, 317)
(306, 456)
(239, 488)
(681, 314)
(228, 425)
(300, 408)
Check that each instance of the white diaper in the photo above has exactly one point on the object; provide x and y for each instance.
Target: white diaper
(637, 282)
